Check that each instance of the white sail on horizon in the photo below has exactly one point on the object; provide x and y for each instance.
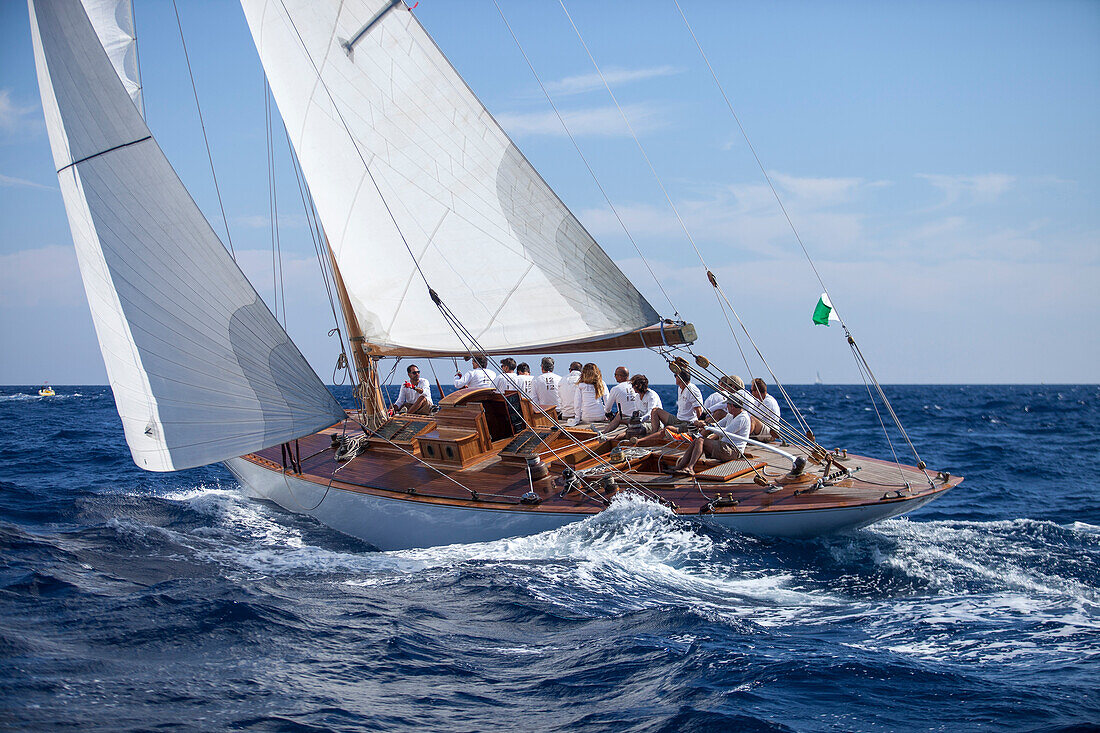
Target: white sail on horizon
(200, 369)
(411, 174)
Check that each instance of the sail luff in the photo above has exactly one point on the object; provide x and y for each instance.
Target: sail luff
(201, 370)
(403, 159)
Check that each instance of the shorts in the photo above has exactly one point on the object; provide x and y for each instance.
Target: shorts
(720, 450)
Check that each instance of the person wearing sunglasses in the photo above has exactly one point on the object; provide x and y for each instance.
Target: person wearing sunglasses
(416, 394)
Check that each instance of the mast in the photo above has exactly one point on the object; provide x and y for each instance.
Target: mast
(367, 389)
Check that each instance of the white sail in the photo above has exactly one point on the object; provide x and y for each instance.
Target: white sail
(201, 370)
(113, 21)
(406, 164)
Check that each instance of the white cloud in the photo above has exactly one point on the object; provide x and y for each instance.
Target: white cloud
(12, 116)
(984, 188)
(13, 182)
(615, 77)
(819, 191)
(597, 121)
(257, 221)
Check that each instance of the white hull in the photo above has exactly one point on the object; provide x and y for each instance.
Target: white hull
(398, 524)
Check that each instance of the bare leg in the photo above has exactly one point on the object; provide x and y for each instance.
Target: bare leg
(691, 457)
(658, 419)
(420, 407)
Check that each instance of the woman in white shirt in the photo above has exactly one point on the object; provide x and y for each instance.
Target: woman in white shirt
(588, 400)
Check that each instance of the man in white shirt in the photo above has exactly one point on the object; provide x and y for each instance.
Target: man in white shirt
(546, 385)
(506, 381)
(416, 394)
(689, 406)
(524, 380)
(621, 393)
(644, 402)
(567, 387)
(729, 445)
(769, 408)
(715, 405)
(477, 377)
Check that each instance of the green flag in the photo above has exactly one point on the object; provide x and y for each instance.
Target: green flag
(823, 313)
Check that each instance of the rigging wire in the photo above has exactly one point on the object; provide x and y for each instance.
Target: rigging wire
(322, 262)
(798, 238)
(205, 139)
(720, 296)
(273, 209)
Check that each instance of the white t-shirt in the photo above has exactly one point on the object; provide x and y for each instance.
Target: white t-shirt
(619, 396)
(717, 401)
(526, 384)
(687, 400)
(737, 426)
(409, 395)
(587, 407)
(546, 390)
(769, 410)
(476, 378)
(507, 381)
(645, 403)
(567, 387)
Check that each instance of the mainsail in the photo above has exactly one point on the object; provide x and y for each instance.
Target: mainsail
(410, 172)
(201, 371)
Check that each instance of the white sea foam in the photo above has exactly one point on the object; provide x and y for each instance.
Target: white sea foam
(979, 581)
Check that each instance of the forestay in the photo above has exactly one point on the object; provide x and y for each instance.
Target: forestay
(201, 370)
(113, 21)
(406, 164)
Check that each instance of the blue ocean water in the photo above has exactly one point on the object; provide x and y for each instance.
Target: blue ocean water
(133, 600)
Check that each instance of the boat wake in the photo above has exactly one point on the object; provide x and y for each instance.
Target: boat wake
(928, 590)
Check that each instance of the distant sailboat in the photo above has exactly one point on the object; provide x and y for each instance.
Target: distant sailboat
(818, 381)
(415, 184)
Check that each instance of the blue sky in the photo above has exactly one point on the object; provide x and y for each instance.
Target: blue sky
(940, 160)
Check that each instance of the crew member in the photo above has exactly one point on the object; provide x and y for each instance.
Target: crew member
(506, 381)
(643, 404)
(416, 394)
(546, 385)
(621, 393)
(567, 388)
(730, 444)
(524, 380)
(589, 396)
(479, 376)
(689, 406)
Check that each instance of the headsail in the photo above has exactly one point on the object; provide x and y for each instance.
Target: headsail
(113, 21)
(201, 370)
(406, 163)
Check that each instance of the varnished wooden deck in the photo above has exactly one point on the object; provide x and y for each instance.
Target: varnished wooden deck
(499, 484)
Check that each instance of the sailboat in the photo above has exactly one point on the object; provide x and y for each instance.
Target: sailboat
(442, 241)
(817, 380)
